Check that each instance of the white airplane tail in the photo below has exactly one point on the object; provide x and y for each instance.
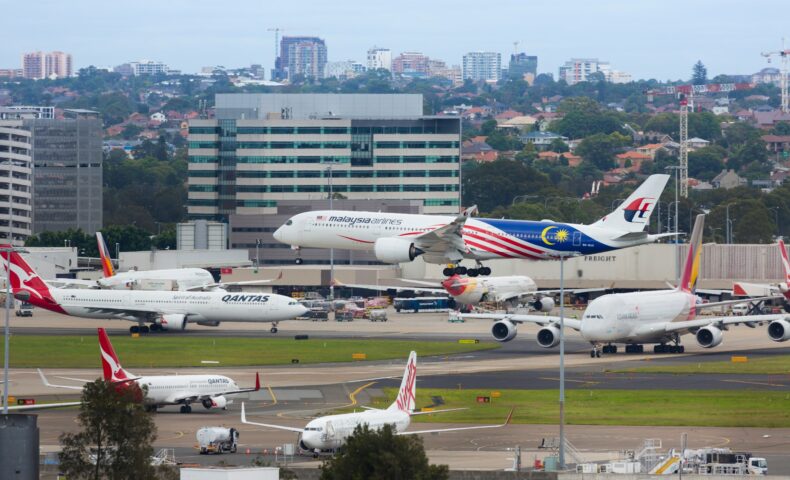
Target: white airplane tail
(633, 215)
(405, 401)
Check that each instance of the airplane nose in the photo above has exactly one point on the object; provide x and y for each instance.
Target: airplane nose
(278, 234)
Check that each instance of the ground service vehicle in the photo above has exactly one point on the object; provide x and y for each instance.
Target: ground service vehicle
(422, 304)
(217, 440)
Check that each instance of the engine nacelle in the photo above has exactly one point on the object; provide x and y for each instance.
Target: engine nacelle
(779, 330)
(395, 250)
(208, 323)
(172, 321)
(215, 402)
(709, 337)
(503, 331)
(544, 304)
(549, 336)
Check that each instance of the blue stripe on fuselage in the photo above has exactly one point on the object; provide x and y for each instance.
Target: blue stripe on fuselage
(531, 232)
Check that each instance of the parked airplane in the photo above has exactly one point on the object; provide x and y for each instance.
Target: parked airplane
(163, 310)
(659, 317)
(327, 433)
(209, 390)
(398, 238)
(782, 289)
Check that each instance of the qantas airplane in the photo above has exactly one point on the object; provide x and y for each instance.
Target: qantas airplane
(328, 433)
(399, 238)
(744, 289)
(163, 310)
(160, 390)
(659, 317)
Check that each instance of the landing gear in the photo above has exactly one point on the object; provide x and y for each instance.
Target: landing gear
(595, 352)
(151, 408)
(298, 260)
(186, 409)
(134, 329)
(664, 348)
(609, 349)
(634, 349)
(273, 329)
(448, 271)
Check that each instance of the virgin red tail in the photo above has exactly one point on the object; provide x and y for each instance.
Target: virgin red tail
(113, 371)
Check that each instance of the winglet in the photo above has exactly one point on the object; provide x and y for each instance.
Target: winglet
(469, 211)
(688, 281)
(257, 381)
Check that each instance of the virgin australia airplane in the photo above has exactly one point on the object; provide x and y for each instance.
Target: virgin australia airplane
(399, 238)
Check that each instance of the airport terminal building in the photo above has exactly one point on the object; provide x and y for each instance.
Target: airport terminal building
(263, 151)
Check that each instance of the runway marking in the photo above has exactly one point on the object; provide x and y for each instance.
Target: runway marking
(274, 398)
(567, 380)
(179, 435)
(755, 383)
(353, 395)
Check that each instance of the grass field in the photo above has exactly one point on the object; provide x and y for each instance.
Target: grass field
(610, 407)
(173, 351)
(772, 365)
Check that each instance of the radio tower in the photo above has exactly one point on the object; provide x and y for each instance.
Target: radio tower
(783, 55)
(684, 147)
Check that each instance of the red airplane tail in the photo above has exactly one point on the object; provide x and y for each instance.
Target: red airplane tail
(113, 371)
(25, 282)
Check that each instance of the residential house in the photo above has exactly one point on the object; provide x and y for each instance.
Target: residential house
(632, 161)
(652, 137)
(767, 120)
(542, 140)
(507, 115)
(650, 149)
(480, 152)
(696, 143)
(777, 143)
(728, 179)
(522, 123)
(573, 160)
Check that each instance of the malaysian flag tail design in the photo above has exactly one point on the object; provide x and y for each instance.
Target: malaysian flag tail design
(633, 215)
(106, 259)
(688, 281)
(405, 401)
(111, 366)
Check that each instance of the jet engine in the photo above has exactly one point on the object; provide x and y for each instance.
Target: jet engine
(396, 250)
(215, 402)
(549, 336)
(779, 330)
(709, 337)
(503, 331)
(543, 304)
(172, 321)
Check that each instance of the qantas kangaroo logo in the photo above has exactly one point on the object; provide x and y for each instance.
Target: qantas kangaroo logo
(637, 210)
(25, 280)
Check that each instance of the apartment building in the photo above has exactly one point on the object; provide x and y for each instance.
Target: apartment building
(482, 66)
(16, 211)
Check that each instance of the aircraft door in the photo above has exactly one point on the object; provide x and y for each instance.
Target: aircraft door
(577, 239)
(329, 431)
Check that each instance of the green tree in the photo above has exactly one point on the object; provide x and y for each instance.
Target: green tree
(488, 127)
(699, 74)
(600, 149)
(706, 163)
(781, 128)
(584, 116)
(494, 184)
(116, 430)
(558, 146)
(382, 455)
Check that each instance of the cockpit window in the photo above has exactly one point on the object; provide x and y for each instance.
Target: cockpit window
(289, 222)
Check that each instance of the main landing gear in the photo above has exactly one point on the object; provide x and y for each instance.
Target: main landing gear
(451, 270)
(140, 329)
(186, 408)
(663, 348)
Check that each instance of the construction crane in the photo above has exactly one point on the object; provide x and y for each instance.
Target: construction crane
(783, 56)
(686, 95)
(276, 31)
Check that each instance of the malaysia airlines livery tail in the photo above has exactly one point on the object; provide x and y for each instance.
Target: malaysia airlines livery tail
(633, 215)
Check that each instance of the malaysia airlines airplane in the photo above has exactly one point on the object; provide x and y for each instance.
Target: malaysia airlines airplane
(659, 317)
(209, 390)
(163, 310)
(328, 433)
(399, 238)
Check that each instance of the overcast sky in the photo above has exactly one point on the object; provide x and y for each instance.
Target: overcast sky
(648, 38)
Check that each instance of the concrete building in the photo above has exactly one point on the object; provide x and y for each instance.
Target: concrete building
(39, 65)
(578, 70)
(344, 69)
(202, 235)
(20, 112)
(482, 66)
(411, 64)
(263, 149)
(523, 67)
(379, 58)
(16, 175)
(67, 173)
(300, 56)
(143, 67)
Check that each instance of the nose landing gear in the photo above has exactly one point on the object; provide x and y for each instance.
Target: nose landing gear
(298, 259)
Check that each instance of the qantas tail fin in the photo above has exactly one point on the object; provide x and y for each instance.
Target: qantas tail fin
(106, 259)
(113, 371)
(405, 400)
(785, 288)
(688, 282)
(633, 215)
(26, 282)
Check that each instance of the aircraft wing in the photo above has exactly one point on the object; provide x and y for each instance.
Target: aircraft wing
(476, 427)
(748, 320)
(67, 283)
(234, 392)
(43, 406)
(47, 384)
(734, 302)
(447, 239)
(279, 427)
(542, 320)
(213, 286)
(382, 288)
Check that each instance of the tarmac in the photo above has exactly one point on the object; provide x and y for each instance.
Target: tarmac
(294, 393)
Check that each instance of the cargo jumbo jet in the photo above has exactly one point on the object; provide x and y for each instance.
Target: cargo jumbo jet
(659, 317)
(211, 391)
(163, 310)
(399, 238)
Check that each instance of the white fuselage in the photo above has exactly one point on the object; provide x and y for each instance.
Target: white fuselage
(473, 290)
(209, 307)
(182, 278)
(330, 432)
(169, 389)
(637, 317)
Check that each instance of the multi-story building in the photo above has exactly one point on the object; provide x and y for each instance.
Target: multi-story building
(379, 58)
(67, 172)
(482, 66)
(20, 112)
(10, 72)
(411, 64)
(143, 67)
(345, 69)
(262, 149)
(767, 75)
(39, 65)
(300, 56)
(16, 176)
(523, 67)
(578, 70)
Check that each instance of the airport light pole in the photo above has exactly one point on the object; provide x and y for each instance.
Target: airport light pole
(331, 250)
(7, 329)
(562, 363)
(676, 168)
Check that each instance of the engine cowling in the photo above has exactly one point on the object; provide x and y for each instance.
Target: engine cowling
(395, 250)
(215, 402)
(548, 337)
(172, 321)
(709, 337)
(503, 331)
(544, 304)
(779, 330)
